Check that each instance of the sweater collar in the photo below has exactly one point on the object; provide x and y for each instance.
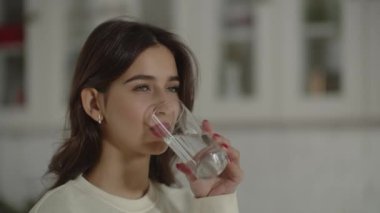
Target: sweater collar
(132, 205)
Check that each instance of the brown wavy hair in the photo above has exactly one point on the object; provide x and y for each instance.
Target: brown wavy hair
(108, 52)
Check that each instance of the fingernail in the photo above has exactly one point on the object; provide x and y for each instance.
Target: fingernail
(183, 168)
(224, 145)
(215, 136)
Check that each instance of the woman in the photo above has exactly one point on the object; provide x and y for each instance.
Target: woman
(112, 162)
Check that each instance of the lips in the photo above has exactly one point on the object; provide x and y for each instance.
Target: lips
(161, 131)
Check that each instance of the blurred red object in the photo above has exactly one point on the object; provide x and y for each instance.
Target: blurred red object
(10, 34)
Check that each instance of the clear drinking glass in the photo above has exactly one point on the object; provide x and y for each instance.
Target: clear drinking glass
(182, 132)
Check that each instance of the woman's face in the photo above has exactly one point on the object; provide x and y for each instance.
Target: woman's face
(151, 79)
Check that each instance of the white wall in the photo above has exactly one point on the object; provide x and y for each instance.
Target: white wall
(23, 161)
(287, 170)
(309, 170)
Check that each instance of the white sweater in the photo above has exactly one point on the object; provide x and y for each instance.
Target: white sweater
(79, 195)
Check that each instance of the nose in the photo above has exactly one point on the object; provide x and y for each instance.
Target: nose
(168, 110)
(165, 105)
(161, 112)
(162, 95)
(165, 108)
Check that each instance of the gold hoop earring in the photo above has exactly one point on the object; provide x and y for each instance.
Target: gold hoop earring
(100, 119)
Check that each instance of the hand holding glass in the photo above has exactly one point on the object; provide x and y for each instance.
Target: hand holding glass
(173, 122)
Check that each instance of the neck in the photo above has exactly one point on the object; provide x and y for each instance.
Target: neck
(122, 176)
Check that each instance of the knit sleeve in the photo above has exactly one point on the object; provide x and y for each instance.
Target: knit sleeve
(216, 204)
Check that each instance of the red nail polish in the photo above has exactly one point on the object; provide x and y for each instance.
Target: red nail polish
(182, 167)
(226, 146)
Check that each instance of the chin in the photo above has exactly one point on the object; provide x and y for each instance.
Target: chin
(157, 147)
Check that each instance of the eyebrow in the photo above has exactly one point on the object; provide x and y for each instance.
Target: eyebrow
(148, 77)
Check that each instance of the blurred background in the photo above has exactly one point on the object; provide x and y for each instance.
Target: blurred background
(292, 83)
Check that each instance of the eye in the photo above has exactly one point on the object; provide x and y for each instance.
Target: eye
(174, 89)
(141, 88)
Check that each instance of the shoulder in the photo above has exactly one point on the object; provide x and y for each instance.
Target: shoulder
(55, 200)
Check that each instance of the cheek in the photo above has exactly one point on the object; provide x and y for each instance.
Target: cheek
(128, 114)
(126, 119)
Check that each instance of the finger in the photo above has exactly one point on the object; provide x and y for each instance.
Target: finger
(206, 127)
(233, 154)
(233, 172)
(187, 171)
(220, 139)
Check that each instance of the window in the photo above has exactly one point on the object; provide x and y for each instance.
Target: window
(236, 66)
(323, 70)
(12, 75)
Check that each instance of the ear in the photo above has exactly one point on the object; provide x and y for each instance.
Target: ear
(91, 102)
